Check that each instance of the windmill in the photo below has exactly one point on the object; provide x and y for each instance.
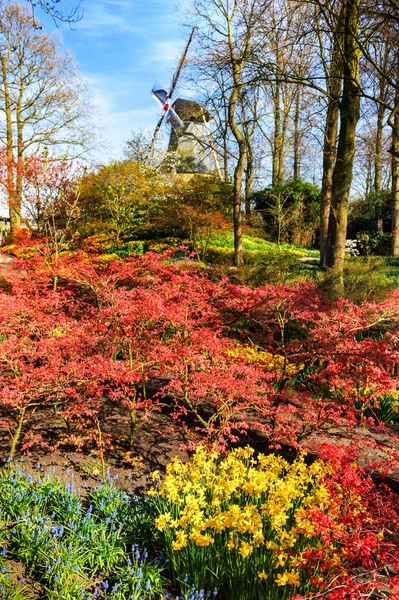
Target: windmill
(187, 119)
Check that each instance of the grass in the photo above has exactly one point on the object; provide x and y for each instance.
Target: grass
(260, 245)
(368, 278)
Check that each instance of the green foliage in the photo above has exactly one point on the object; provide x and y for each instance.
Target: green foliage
(374, 243)
(369, 216)
(367, 279)
(265, 262)
(226, 240)
(5, 285)
(118, 198)
(194, 210)
(128, 201)
(385, 409)
(290, 211)
(277, 268)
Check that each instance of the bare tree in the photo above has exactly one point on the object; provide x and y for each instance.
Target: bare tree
(228, 38)
(42, 99)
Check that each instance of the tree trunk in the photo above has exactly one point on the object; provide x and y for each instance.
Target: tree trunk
(378, 154)
(225, 147)
(238, 176)
(378, 149)
(242, 149)
(369, 173)
(330, 140)
(378, 163)
(349, 113)
(395, 178)
(382, 97)
(283, 135)
(249, 178)
(297, 172)
(277, 135)
(15, 217)
(20, 146)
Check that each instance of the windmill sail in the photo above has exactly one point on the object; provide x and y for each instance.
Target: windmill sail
(161, 97)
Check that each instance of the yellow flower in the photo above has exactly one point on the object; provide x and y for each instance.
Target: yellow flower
(281, 579)
(288, 578)
(262, 575)
(245, 549)
(280, 560)
(180, 541)
(201, 539)
(292, 577)
(163, 521)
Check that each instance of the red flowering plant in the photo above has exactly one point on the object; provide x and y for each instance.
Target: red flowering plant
(277, 359)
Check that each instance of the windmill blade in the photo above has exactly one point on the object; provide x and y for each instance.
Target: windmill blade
(180, 65)
(159, 96)
(173, 118)
(154, 135)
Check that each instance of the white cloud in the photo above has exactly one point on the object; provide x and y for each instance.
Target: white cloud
(104, 17)
(162, 51)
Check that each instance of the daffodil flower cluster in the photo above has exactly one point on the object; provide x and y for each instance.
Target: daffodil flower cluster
(267, 360)
(241, 516)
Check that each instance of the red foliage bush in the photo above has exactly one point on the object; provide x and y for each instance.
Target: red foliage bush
(279, 359)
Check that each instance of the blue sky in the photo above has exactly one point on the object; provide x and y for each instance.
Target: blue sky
(122, 47)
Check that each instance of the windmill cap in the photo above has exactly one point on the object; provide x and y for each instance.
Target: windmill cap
(189, 110)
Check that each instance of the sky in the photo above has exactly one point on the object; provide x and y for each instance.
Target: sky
(123, 47)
